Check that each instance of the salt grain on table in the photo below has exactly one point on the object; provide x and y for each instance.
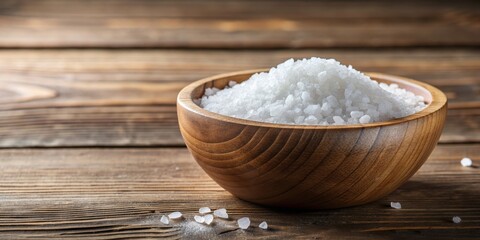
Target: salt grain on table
(466, 162)
(175, 215)
(263, 225)
(204, 210)
(395, 205)
(164, 220)
(243, 223)
(208, 219)
(456, 219)
(199, 219)
(221, 213)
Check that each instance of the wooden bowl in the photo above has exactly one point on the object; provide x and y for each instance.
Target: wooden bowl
(307, 166)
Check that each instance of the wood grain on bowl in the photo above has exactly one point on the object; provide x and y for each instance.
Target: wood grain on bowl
(312, 167)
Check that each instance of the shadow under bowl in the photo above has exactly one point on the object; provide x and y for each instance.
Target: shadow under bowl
(309, 166)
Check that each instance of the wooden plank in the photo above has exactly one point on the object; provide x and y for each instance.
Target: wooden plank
(452, 68)
(238, 24)
(154, 125)
(123, 97)
(461, 126)
(107, 193)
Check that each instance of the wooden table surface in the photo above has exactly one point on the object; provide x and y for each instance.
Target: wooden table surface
(90, 146)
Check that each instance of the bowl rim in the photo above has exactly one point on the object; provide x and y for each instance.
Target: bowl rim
(184, 99)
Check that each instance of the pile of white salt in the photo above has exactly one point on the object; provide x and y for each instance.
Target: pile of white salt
(312, 91)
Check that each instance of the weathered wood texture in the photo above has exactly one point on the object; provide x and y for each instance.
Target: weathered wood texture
(113, 193)
(123, 97)
(238, 24)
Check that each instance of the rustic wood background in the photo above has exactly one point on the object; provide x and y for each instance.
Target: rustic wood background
(90, 147)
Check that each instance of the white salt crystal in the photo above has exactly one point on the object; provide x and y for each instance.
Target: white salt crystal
(305, 95)
(466, 162)
(338, 120)
(396, 205)
(243, 223)
(208, 218)
(199, 219)
(364, 119)
(325, 91)
(211, 91)
(289, 100)
(164, 219)
(311, 120)
(356, 114)
(175, 215)
(456, 219)
(221, 213)
(204, 210)
(312, 109)
(263, 225)
(232, 83)
(299, 119)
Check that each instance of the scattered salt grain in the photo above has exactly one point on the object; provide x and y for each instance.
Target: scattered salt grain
(243, 223)
(204, 210)
(396, 205)
(164, 220)
(221, 213)
(312, 91)
(456, 219)
(199, 219)
(466, 162)
(263, 225)
(175, 215)
(208, 219)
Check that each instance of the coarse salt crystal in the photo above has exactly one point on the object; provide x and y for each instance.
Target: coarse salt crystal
(243, 223)
(221, 213)
(208, 218)
(164, 219)
(338, 120)
(211, 91)
(356, 114)
(311, 120)
(466, 162)
(456, 219)
(263, 225)
(395, 205)
(204, 210)
(232, 83)
(199, 219)
(364, 119)
(175, 215)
